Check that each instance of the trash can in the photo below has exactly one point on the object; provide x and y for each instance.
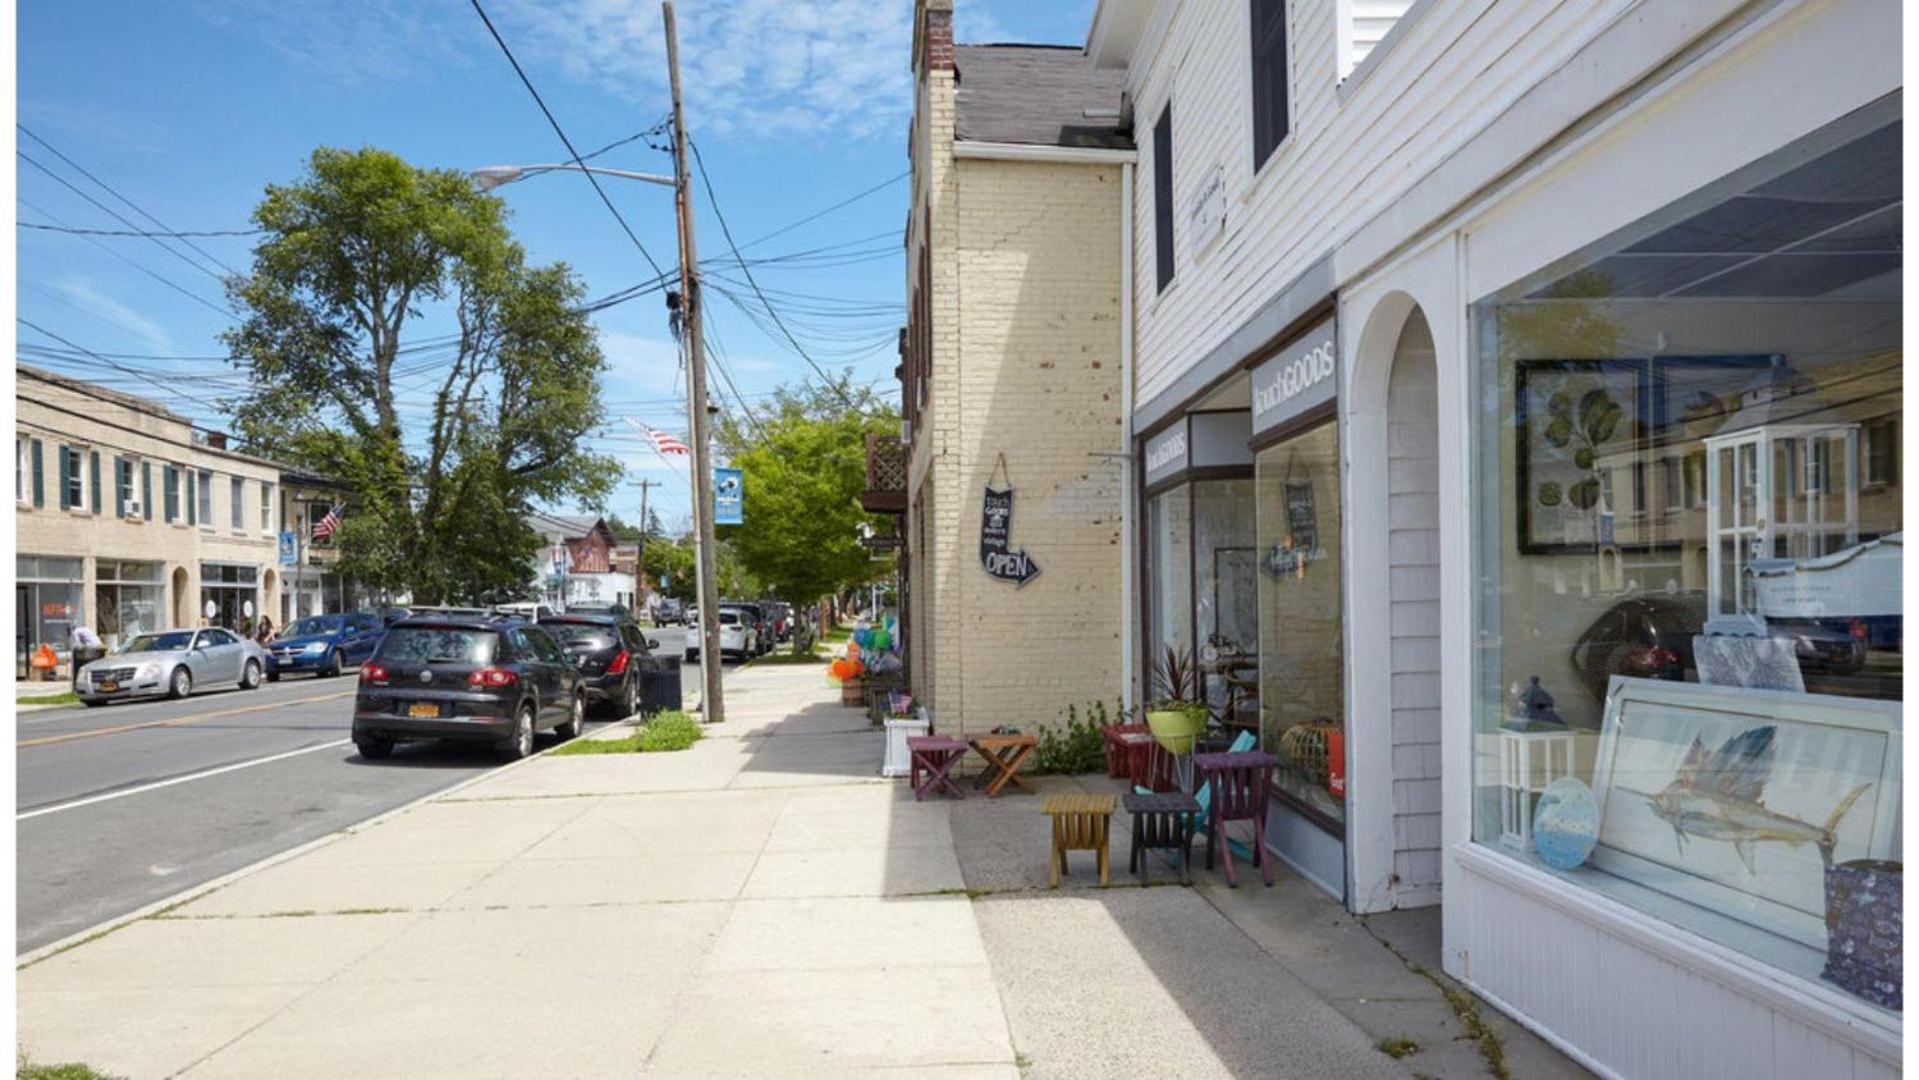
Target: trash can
(660, 690)
(82, 656)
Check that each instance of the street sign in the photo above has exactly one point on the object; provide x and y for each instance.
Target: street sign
(728, 500)
(996, 552)
(881, 542)
(289, 548)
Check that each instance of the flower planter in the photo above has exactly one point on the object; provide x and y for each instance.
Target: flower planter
(1176, 731)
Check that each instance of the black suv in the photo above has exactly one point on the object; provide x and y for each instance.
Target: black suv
(473, 677)
(611, 654)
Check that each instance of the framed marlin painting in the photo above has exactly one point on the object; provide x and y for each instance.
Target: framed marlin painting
(1738, 800)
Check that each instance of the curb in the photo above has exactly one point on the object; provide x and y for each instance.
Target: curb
(194, 892)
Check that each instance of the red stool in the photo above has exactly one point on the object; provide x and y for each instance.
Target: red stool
(933, 756)
(1112, 739)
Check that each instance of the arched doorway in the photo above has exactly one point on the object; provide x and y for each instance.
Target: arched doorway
(183, 614)
(1394, 596)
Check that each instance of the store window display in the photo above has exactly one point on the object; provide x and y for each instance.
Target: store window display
(1688, 542)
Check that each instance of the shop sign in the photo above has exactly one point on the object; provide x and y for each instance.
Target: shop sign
(1300, 377)
(995, 540)
(1206, 212)
(56, 611)
(728, 508)
(1166, 453)
(289, 548)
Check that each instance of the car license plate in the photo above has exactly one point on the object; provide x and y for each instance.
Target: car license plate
(109, 686)
(423, 709)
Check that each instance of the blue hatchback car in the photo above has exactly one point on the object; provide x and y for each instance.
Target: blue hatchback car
(325, 644)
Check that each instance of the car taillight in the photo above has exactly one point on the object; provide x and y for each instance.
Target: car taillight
(1857, 629)
(618, 664)
(492, 677)
(372, 673)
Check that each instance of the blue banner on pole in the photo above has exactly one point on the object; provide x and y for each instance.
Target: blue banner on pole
(289, 548)
(728, 505)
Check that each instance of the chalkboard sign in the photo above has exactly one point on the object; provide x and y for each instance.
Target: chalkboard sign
(995, 540)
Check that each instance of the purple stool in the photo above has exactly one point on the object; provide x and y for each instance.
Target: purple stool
(1239, 789)
(934, 757)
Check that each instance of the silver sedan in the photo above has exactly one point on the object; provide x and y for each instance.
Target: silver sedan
(171, 663)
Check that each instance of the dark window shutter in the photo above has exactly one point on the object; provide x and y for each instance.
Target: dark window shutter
(146, 489)
(93, 477)
(170, 479)
(1270, 121)
(192, 503)
(119, 489)
(39, 476)
(1163, 195)
(66, 475)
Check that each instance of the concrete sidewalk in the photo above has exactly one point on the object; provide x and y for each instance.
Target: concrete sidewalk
(762, 904)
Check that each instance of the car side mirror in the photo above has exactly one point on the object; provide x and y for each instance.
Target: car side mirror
(652, 643)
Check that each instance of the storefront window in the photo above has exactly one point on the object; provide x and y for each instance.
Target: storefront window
(49, 594)
(231, 593)
(1689, 536)
(1226, 593)
(127, 596)
(1301, 681)
(1170, 551)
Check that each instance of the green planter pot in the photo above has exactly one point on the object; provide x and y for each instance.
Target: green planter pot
(1176, 731)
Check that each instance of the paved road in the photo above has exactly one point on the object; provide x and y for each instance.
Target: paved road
(121, 806)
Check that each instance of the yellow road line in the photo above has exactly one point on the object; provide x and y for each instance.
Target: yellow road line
(48, 740)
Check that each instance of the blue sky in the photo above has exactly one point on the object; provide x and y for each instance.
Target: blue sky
(189, 109)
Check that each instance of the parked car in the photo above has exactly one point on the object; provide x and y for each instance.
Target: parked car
(738, 639)
(669, 612)
(468, 677)
(756, 615)
(528, 611)
(597, 607)
(1646, 637)
(612, 655)
(324, 645)
(171, 663)
(391, 615)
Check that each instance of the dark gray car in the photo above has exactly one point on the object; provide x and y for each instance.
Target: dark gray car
(476, 678)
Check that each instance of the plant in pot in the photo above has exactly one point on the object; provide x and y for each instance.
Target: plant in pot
(1177, 714)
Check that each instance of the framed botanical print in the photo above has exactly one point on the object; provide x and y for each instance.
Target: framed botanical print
(1578, 422)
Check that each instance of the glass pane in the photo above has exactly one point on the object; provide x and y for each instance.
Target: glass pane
(1301, 681)
(1170, 587)
(1226, 594)
(1775, 577)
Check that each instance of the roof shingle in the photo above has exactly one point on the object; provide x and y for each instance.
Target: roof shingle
(1036, 95)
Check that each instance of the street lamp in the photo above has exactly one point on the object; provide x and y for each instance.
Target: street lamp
(492, 176)
(488, 177)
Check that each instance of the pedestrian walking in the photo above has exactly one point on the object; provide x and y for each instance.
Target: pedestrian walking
(265, 633)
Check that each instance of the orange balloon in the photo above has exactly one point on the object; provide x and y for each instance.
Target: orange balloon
(858, 668)
(852, 649)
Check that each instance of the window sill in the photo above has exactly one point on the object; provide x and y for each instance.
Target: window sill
(1849, 1019)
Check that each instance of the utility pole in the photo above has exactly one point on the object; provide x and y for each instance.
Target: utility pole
(712, 707)
(639, 557)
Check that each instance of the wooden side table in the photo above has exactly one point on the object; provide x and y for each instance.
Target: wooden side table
(1004, 755)
(1162, 821)
(933, 758)
(1080, 823)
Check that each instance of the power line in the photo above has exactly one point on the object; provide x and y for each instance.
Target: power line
(714, 200)
(143, 268)
(822, 213)
(135, 207)
(138, 232)
(30, 324)
(568, 143)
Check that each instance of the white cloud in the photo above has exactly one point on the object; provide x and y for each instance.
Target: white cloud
(787, 68)
(92, 299)
(352, 44)
(640, 368)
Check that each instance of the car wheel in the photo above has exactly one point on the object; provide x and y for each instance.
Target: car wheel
(520, 744)
(630, 701)
(575, 725)
(91, 703)
(374, 749)
(332, 665)
(180, 683)
(250, 676)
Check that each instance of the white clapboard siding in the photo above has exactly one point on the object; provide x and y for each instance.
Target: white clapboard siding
(1452, 70)
(1412, 449)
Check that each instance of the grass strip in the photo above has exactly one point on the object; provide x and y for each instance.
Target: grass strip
(665, 732)
(66, 698)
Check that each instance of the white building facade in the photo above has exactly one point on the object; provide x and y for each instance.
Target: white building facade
(1517, 410)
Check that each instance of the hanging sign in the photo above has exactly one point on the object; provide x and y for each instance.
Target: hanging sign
(995, 544)
(289, 548)
(728, 508)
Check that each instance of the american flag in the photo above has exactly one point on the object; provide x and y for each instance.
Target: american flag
(664, 443)
(324, 528)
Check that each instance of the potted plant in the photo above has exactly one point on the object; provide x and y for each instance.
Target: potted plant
(1177, 715)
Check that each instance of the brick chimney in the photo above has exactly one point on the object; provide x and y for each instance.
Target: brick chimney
(932, 36)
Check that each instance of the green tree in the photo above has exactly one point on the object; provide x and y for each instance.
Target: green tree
(355, 254)
(804, 464)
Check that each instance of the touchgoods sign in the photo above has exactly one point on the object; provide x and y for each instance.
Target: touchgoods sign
(1166, 452)
(1300, 377)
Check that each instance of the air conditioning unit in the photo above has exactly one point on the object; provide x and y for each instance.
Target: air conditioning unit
(133, 508)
